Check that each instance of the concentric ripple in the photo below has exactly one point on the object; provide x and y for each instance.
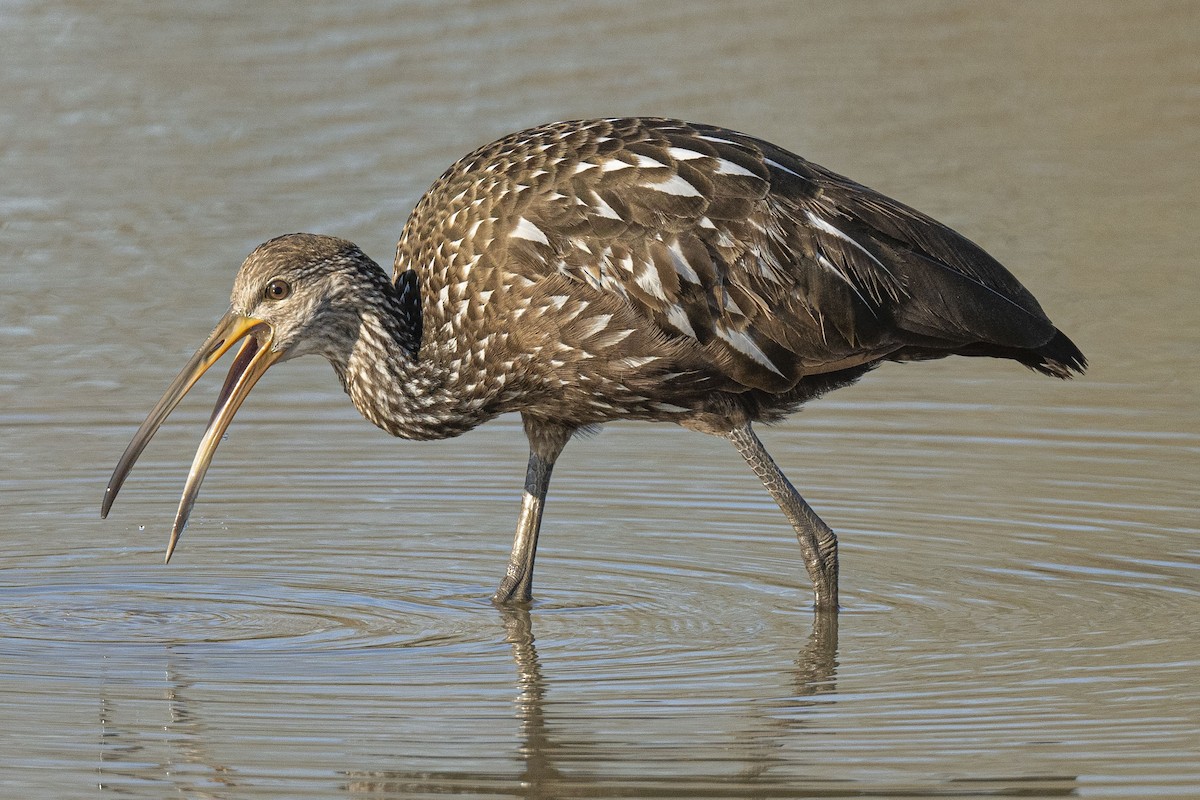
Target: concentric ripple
(228, 609)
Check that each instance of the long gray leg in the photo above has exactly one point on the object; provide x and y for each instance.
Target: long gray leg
(817, 540)
(546, 441)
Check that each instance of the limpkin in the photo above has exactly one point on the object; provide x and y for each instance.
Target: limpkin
(589, 271)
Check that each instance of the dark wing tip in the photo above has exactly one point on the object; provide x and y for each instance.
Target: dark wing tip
(1058, 357)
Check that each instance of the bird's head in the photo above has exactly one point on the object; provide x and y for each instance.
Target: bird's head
(307, 293)
(294, 295)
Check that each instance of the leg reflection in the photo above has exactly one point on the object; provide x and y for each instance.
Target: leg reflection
(539, 774)
(816, 665)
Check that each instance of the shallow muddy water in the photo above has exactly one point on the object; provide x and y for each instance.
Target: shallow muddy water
(1020, 556)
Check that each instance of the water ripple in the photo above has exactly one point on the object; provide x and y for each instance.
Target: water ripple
(230, 609)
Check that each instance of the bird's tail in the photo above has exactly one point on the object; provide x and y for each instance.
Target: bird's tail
(1058, 357)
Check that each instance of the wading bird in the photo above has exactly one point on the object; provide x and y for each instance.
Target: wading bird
(589, 271)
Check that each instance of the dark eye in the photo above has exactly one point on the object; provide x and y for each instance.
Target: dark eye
(277, 289)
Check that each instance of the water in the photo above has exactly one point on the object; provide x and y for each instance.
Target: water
(1019, 555)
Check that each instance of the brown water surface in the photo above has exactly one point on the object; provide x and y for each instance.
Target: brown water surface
(1020, 555)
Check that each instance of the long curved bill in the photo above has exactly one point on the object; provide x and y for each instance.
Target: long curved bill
(252, 360)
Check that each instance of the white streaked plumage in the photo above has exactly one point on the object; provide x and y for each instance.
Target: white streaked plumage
(648, 269)
(524, 229)
(674, 185)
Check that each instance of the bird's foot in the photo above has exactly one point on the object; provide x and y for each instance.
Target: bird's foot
(513, 591)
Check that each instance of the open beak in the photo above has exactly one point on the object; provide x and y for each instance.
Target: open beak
(252, 360)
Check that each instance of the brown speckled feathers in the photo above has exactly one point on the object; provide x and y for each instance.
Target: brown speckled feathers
(609, 264)
(596, 270)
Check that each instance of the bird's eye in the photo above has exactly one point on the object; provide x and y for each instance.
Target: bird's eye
(277, 289)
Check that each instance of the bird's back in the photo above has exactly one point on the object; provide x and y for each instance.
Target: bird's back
(650, 258)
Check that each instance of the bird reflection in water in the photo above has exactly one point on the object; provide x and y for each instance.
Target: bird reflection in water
(190, 719)
(554, 768)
